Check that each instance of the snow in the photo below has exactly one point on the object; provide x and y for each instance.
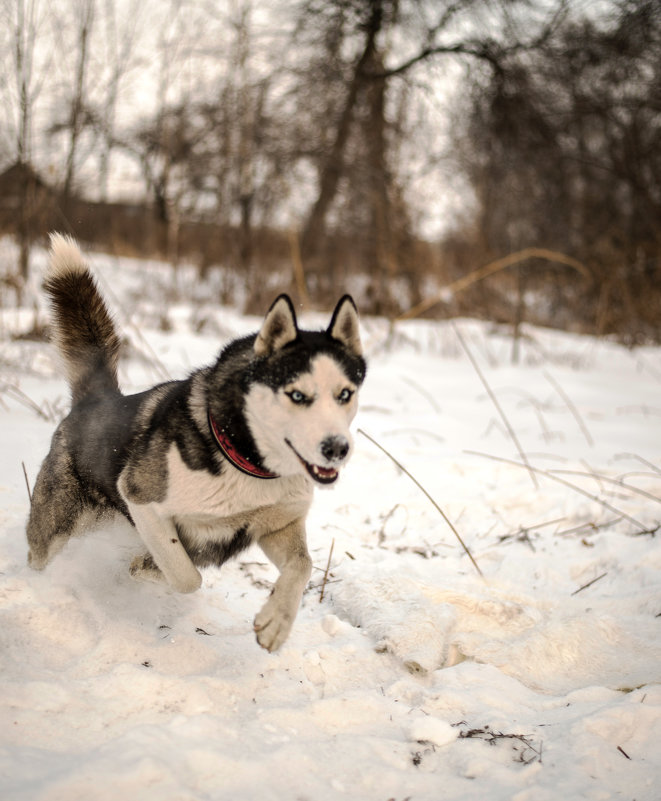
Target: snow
(407, 674)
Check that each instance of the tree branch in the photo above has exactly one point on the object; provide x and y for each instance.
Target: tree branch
(486, 49)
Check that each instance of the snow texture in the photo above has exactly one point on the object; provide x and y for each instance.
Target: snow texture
(414, 677)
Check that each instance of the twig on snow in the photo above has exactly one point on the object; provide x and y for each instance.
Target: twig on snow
(20, 396)
(529, 398)
(255, 580)
(425, 393)
(428, 496)
(326, 572)
(27, 481)
(572, 408)
(562, 481)
(382, 532)
(593, 527)
(616, 481)
(497, 405)
(523, 534)
(590, 583)
(640, 459)
(527, 756)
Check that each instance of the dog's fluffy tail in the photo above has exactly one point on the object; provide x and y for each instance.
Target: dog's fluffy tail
(83, 330)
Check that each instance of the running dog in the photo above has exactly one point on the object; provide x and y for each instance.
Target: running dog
(204, 466)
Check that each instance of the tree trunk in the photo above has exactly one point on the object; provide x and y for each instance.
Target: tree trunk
(78, 100)
(332, 168)
(380, 258)
(23, 62)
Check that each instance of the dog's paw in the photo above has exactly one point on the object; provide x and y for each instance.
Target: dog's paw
(273, 623)
(143, 568)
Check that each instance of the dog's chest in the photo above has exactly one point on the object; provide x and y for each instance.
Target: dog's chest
(208, 499)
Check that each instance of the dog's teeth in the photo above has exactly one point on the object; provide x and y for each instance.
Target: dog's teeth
(323, 471)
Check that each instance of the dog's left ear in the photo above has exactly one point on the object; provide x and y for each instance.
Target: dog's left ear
(278, 329)
(344, 325)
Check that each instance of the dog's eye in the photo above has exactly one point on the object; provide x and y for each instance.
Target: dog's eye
(297, 397)
(345, 395)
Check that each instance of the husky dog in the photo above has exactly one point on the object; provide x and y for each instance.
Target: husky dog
(204, 466)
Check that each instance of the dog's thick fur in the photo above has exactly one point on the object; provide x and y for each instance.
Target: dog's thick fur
(204, 466)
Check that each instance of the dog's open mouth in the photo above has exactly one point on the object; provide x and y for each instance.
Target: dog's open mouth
(322, 475)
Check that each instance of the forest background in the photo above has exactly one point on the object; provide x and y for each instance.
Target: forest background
(492, 158)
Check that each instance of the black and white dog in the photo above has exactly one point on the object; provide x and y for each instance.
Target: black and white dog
(204, 466)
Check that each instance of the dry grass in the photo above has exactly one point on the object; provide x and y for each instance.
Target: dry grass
(427, 495)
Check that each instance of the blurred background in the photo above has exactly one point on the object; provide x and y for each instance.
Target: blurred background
(498, 159)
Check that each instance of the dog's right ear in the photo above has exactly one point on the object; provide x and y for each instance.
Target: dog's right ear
(278, 329)
(344, 325)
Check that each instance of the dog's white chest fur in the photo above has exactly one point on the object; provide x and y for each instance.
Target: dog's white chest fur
(199, 495)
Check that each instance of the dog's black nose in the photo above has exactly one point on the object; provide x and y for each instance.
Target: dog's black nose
(334, 449)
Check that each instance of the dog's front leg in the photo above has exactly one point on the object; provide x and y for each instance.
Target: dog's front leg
(288, 551)
(160, 536)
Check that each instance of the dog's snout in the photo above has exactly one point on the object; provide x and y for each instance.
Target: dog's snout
(334, 449)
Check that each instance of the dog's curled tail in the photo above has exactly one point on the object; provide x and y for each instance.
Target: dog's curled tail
(82, 328)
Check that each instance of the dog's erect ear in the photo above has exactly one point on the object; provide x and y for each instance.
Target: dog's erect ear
(278, 329)
(344, 325)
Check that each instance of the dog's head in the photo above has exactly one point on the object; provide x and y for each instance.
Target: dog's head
(303, 391)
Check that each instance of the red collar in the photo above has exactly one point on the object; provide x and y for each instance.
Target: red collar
(233, 456)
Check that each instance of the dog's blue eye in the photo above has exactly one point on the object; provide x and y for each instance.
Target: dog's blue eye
(345, 395)
(296, 396)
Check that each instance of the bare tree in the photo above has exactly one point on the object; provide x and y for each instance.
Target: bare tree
(120, 36)
(23, 24)
(84, 12)
(563, 152)
(358, 157)
(332, 167)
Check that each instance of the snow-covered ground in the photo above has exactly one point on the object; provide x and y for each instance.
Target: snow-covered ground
(407, 675)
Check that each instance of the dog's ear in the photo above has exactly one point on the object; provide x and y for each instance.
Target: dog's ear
(344, 325)
(278, 329)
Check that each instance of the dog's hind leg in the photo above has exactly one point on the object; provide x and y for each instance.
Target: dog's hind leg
(58, 509)
(288, 551)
